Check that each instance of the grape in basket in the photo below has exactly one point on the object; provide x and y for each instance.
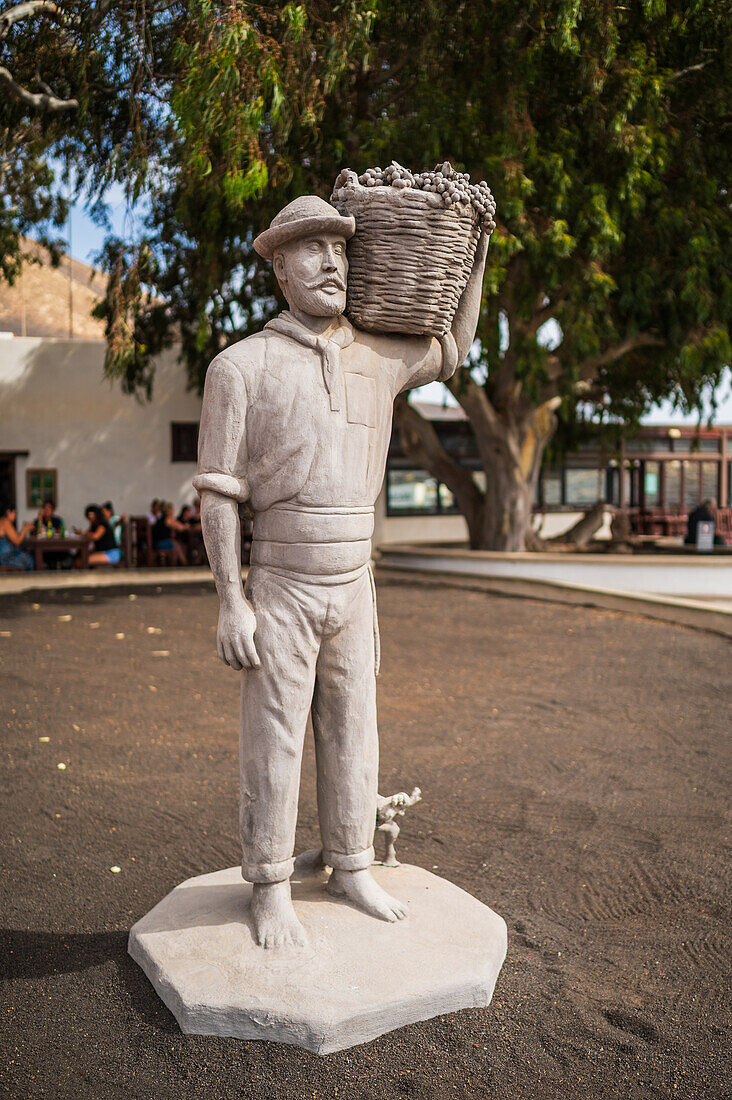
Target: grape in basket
(412, 253)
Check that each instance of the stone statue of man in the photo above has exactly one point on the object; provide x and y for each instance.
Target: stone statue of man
(296, 424)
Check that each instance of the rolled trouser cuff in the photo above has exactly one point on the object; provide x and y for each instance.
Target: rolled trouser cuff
(340, 861)
(268, 872)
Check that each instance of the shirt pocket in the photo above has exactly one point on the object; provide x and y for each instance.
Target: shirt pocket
(360, 400)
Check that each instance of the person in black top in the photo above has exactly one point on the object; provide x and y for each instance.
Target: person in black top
(115, 522)
(164, 532)
(703, 513)
(47, 518)
(106, 551)
(49, 525)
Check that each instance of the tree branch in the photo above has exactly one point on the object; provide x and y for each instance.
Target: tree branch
(490, 431)
(44, 101)
(378, 80)
(588, 368)
(38, 101)
(505, 387)
(691, 69)
(543, 314)
(421, 442)
(22, 11)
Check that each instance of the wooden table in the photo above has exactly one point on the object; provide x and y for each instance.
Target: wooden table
(41, 546)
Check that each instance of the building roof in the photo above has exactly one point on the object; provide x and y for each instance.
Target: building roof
(433, 412)
(37, 304)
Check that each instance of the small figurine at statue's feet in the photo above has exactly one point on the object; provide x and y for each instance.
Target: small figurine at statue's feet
(275, 923)
(365, 893)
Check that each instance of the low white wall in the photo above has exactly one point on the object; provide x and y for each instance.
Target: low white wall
(56, 404)
(680, 576)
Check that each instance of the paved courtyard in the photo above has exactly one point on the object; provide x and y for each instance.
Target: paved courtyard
(575, 771)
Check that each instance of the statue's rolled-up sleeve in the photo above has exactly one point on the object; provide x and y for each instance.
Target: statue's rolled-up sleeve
(426, 359)
(222, 451)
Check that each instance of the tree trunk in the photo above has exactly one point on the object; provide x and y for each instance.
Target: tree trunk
(511, 447)
(506, 511)
(421, 442)
(580, 533)
(511, 466)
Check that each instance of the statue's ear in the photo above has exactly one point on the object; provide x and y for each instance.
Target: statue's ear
(278, 265)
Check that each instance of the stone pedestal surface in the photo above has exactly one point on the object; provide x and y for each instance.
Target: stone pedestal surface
(357, 977)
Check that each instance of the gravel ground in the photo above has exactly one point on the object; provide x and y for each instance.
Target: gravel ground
(575, 770)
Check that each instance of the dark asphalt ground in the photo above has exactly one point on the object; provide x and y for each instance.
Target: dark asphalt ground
(575, 770)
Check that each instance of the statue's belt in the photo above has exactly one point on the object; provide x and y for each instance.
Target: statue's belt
(313, 541)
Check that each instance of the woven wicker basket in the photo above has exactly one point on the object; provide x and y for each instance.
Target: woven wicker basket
(409, 259)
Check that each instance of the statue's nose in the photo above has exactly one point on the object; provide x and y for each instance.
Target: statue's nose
(329, 262)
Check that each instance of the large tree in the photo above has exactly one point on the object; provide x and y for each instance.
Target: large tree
(605, 133)
(603, 130)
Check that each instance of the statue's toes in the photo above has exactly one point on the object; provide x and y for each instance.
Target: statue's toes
(387, 915)
(297, 936)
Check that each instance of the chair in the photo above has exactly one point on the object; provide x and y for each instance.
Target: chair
(163, 558)
(724, 525)
(140, 542)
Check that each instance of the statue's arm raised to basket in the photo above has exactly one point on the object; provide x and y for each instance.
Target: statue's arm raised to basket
(430, 360)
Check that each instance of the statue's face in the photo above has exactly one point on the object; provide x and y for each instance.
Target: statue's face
(312, 272)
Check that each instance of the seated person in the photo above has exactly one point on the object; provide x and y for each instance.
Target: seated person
(164, 531)
(154, 514)
(106, 551)
(48, 520)
(114, 521)
(11, 555)
(49, 525)
(706, 512)
(195, 550)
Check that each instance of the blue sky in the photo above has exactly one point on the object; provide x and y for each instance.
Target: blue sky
(88, 238)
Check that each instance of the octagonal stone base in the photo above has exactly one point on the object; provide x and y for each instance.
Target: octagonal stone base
(356, 978)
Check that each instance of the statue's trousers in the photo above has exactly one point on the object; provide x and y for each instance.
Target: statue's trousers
(316, 644)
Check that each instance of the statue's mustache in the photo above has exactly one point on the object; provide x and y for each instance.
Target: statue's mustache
(329, 280)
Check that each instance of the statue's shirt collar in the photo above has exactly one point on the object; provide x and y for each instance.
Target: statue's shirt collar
(340, 332)
(328, 344)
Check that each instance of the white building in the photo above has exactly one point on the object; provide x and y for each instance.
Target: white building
(68, 433)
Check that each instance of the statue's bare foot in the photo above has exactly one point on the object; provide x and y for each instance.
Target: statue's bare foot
(275, 923)
(360, 888)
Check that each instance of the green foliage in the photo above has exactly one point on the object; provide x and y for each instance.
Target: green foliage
(603, 131)
(249, 85)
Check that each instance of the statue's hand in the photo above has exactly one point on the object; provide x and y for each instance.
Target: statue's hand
(235, 637)
(481, 250)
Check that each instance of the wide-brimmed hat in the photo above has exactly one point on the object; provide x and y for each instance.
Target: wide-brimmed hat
(302, 218)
